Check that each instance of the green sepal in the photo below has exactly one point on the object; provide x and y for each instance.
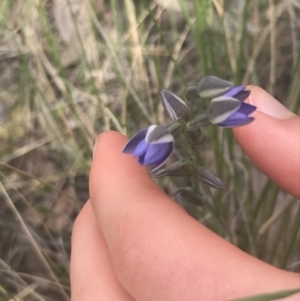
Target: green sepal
(177, 128)
(191, 93)
(177, 169)
(200, 140)
(182, 123)
(201, 119)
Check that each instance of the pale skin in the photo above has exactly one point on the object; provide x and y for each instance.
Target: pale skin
(133, 242)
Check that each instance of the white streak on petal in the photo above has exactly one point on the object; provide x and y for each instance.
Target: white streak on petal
(232, 106)
(163, 137)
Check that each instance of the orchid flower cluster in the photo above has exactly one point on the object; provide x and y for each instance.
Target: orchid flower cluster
(154, 145)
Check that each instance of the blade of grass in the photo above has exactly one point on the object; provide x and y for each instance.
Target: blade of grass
(270, 296)
(32, 241)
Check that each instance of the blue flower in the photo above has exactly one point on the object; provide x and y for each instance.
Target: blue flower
(230, 110)
(152, 146)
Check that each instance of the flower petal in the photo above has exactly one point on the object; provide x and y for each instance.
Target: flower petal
(134, 141)
(158, 134)
(237, 119)
(158, 153)
(234, 91)
(221, 108)
(142, 159)
(246, 108)
(158, 165)
(211, 86)
(141, 148)
(243, 95)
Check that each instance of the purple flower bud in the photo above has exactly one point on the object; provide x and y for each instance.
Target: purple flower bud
(230, 110)
(175, 106)
(240, 117)
(208, 177)
(152, 146)
(211, 86)
(205, 175)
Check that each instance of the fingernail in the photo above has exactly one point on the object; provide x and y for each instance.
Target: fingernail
(272, 107)
(95, 147)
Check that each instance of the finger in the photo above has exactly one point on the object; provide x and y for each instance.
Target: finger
(272, 141)
(158, 251)
(92, 276)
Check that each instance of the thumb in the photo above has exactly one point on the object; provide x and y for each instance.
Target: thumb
(272, 140)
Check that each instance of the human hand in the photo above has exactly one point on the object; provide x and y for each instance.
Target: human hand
(132, 242)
